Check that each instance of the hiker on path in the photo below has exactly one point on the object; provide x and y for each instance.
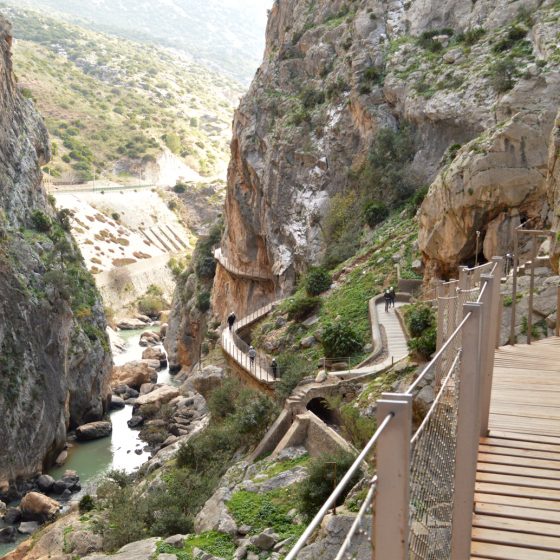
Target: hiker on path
(387, 297)
(252, 354)
(231, 320)
(274, 368)
(393, 295)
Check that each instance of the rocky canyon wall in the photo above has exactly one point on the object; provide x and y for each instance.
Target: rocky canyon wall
(54, 354)
(480, 96)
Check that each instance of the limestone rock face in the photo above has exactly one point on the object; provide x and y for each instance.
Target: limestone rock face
(486, 188)
(331, 78)
(553, 185)
(54, 353)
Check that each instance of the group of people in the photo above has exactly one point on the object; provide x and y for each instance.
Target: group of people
(252, 353)
(389, 297)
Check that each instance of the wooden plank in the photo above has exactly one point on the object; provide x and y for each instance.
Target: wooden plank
(524, 437)
(516, 452)
(516, 525)
(531, 482)
(516, 501)
(501, 552)
(513, 512)
(518, 444)
(523, 540)
(519, 461)
(519, 491)
(517, 471)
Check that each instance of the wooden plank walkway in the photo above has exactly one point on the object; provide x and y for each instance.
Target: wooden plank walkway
(517, 499)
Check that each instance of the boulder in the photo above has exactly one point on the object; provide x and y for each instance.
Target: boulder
(167, 556)
(146, 388)
(178, 541)
(138, 550)
(130, 324)
(8, 535)
(61, 458)
(38, 507)
(144, 318)
(59, 487)
(45, 483)
(163, 331)
(159, 396)
(307, 342)
(80, 543)
(214, 516)
(265, 540)
(149, 338)
(155, 353)
(116, 403)
(28, 527)
(93, 430)
(205, 381)
(135, 373)
(135, 421)
(3, 509)
(12, 516)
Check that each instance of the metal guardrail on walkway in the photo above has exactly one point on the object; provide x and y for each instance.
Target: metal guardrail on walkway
(422, 495)
(250, 272)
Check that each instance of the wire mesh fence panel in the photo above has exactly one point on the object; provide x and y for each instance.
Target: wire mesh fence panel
(432, 472)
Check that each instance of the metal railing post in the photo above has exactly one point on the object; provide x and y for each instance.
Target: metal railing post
(512, 337)
(468, 430)
(463, 278)
(557, 314)
(488, 331)
(392, 497)
(497, 299)
(531, 288)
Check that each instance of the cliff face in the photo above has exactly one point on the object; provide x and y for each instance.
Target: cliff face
(54, 355)
(479, 94)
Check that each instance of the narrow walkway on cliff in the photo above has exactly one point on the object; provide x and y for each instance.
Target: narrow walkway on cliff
(252, 273)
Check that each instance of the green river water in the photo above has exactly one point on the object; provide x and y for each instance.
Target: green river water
(91, 460)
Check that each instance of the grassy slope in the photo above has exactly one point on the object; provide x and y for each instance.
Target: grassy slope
(109, 98)
(356, 281)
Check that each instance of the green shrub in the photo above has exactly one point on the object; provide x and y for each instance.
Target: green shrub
(418, 197)
(502, 75)
(152, 306)
(203, 301)
(340, 340)
(311, 97)
(291, 370)
(421, 323)
(116, 216)
(374, 213)
(317, 281)
(301, 306)
(472, 36)
(41, 222)
(86, 504)
(180, 188)
(418, 318)
(320, 483)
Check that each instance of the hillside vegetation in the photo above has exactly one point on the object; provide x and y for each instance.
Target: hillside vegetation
(225, 35)
(112, 105)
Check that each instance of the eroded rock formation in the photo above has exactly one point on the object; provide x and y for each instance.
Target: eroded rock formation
(54, 354)
(334, 74)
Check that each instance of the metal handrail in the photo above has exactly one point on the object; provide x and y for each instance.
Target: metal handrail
(251, 272)
(362, 511)
(338, 490)
(440, 352)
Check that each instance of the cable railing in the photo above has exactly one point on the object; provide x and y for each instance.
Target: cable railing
(251, 272)
(419, 504)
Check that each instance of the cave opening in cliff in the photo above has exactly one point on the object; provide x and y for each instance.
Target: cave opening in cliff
(321, 409)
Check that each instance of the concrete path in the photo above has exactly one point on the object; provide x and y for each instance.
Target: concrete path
(397, 347)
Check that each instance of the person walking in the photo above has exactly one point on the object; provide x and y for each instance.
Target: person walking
(274, 368)
(387, 297)
(231, 320)
(252, 355)
(393, 295)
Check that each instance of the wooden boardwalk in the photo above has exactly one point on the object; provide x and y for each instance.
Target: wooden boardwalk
(517, 499)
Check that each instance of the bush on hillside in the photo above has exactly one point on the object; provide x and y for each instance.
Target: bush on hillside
(317, 281)
(291, 370)
(340, 340)
(320, 482)
(421, 323)
(374, 213)
(41, 222)
(301, 306)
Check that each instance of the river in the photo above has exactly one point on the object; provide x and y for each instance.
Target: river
(92, 459)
